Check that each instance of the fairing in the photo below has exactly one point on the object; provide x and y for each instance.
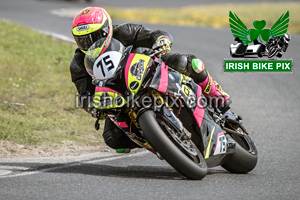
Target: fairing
(138, 73)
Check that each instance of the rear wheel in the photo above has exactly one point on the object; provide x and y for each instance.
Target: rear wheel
(182, 154)
(244, 159)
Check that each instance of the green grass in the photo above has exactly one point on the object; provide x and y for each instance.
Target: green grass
(216, 16)
(34, 70)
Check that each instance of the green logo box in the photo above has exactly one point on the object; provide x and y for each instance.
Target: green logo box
(280, 65)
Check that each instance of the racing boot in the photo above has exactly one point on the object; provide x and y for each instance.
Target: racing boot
(213, 91)
(210, 88)
(115, 138)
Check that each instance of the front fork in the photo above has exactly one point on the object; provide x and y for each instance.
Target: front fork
(166, 113)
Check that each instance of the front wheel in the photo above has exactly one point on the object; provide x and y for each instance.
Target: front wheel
(272, 51)
(184, 156)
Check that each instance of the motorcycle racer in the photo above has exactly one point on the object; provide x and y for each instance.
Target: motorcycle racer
(93, 23)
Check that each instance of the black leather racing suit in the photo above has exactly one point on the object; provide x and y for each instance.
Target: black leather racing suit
(138, 36)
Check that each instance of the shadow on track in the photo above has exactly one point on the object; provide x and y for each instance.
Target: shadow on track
(144, 172)
(132, 171)
(88, 1)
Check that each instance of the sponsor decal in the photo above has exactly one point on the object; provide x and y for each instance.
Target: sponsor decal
(82, 28)
(105, 100)
(208, 86)
(134, 85)
(221, 147)
(137, 69)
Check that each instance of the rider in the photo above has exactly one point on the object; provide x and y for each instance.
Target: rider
(93, 23)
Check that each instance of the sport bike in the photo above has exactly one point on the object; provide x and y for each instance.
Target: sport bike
(165, 112)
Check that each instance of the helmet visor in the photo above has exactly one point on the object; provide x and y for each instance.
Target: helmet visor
(84, 42)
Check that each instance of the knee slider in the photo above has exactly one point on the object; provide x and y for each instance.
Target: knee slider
(196, 69)
(197, 64)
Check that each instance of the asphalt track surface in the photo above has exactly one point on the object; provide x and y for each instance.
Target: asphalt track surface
(269, 104)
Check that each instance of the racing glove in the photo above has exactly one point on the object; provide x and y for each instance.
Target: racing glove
(162, 43)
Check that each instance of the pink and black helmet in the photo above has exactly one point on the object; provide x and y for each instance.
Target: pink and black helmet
(91, 24)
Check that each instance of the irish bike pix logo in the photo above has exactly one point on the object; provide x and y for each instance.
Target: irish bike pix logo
(259, 49)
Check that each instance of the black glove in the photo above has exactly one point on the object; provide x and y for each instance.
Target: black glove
(162, 43)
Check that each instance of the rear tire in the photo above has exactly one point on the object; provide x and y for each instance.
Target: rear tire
(168, 150)
(243, 160)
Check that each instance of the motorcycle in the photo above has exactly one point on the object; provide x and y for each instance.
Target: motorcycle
(165, 112)
(277, 45)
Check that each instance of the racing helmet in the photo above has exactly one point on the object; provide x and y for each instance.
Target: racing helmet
(89, 25)
(287, 37)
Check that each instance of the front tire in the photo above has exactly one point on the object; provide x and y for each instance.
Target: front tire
(170, 151)
(272, 51)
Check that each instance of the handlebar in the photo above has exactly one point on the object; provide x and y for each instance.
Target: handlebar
(155, 52)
